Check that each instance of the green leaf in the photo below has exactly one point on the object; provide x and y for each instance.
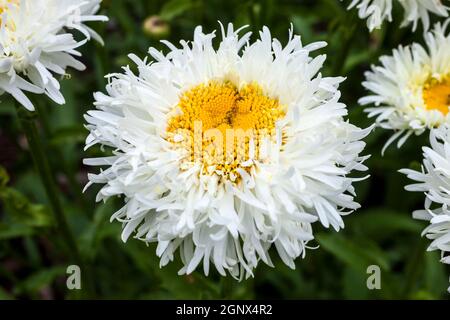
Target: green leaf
(352, 253)
(354, 285)
(99, 229)
(436, 279)
(40, 280)
(344, 250)
(21, 215)
(72, 134)
(4, 295)
(4, 177)
(7, 104)
(14, 230)
(19, 207)
(21, 210)
(381, 222)
(174, 8)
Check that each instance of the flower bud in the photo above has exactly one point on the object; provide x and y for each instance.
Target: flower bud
(156, 27)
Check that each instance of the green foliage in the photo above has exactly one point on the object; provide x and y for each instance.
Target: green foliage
(23, 217)
(174, 8)
(33, 258)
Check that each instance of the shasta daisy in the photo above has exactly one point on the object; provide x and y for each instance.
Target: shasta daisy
(411, 87)
(36, 44)
(221, 153)
(377, 11)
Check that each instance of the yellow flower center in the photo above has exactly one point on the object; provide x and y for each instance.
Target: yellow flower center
(5, 3)
(436, 95)
(224, 128)
(4, 6)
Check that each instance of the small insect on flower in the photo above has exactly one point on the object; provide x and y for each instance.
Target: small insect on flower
(36, 44)
(222, 153)
(434, 181)
(411, 89)
(377, 11)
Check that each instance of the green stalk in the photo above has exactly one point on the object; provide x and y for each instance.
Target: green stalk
(27, 121)
(342, 54)
(77, 191)
(226, 288)
(347, 24)
(414, 267)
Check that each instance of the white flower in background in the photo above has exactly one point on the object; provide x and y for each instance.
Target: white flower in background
(226, 206)
(36, 44)
(434, 181)
(377, 11)
(411, 88)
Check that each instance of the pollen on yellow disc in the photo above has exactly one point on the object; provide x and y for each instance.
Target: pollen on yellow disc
(222, 126)
(436, 95)
(4, 5)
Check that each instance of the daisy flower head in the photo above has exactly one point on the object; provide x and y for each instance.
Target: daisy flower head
(221, 153)
(37, 46)
(411, 87)
(434, 181)
(377, 11)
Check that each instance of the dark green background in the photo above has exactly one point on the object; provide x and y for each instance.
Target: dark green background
(33, 259)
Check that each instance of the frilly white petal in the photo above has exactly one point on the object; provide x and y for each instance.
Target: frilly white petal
(434, 181)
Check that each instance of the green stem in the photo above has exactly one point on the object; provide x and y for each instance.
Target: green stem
(346, 34)
(77, 190)
(254, 14)
(27, 121)
(414, 267)
(226, 288)
(342, 54)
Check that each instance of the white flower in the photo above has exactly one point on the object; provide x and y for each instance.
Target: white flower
(226, 212)
(434, 181)
(411, 88)
(35, 44)
(376, 11)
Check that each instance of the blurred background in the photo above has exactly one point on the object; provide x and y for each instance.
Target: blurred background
(33, 258)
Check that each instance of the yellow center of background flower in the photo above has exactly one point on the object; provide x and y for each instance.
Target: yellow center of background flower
(436, 95)
(223, 126)
(4, 6)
